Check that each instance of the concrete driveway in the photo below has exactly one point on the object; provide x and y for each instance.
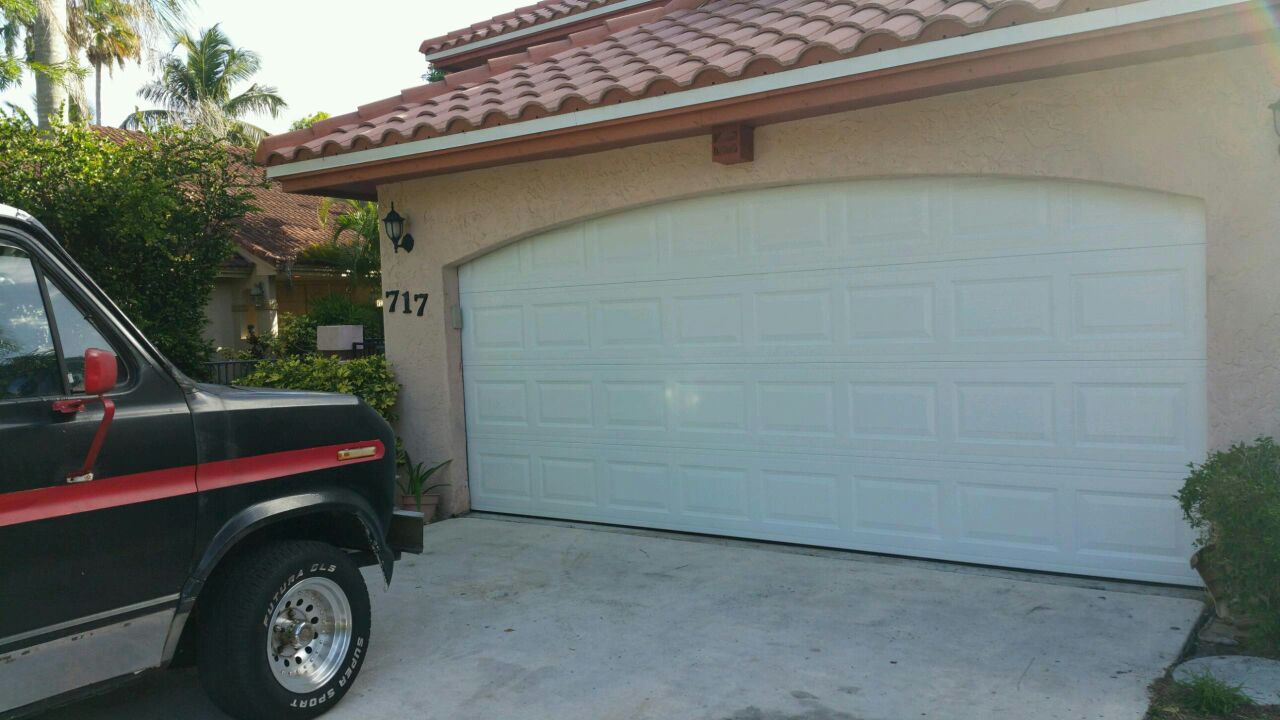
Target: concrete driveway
(508, 619)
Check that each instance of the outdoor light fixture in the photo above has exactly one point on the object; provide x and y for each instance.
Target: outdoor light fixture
(394, 225)
(258, 294)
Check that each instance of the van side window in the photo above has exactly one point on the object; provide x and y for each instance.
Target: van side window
(28, 361)
(78, 333)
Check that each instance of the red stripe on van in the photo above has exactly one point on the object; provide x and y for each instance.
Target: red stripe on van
(71, 499)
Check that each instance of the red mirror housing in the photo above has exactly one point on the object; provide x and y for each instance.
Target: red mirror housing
(99, 371)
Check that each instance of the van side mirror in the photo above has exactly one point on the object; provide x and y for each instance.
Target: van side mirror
(99, 371)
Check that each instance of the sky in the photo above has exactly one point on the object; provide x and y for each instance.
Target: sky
(330, 55)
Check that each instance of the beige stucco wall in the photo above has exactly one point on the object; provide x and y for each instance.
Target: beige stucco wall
(231, 309)
(1197, 126)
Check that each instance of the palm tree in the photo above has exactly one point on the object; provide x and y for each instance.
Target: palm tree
(197, 91)
(358, 255)
(15, 16)
(50, 58)
(52, 43)
(110, 32)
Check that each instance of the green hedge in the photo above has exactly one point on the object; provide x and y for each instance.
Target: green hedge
(150, 217)
(368, 378)
(297, 334)
(1233, 499)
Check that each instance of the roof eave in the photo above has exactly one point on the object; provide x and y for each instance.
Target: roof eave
(1124, 35)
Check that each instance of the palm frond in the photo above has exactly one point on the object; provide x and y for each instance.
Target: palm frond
(170, 15)
(150, 120)
(199, 87)
(240, 65)
(353, 246)
(240, 132)
(257, 99)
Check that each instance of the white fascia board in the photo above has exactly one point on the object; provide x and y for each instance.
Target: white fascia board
(1093, 21)
(532, 29)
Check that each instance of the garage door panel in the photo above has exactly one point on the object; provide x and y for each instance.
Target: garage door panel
(708, 320)
(843, 224)
(1092, 414)
(1052, 520)
(1129, 526)
(881, 315)
(1108, 304)
(715, 491)
(567, 480)
(986, 370)
(556, 327)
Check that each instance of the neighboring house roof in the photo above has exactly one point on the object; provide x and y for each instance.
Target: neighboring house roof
(281, 227)
(663, 50)
(118, 135)
(518, 19)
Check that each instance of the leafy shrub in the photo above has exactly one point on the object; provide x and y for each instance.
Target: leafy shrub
(339, 309)
(150, 217)
(1233, 499)
(297, 335)
(369, 378)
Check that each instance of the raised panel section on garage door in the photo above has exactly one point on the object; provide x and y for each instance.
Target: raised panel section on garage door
(996, 371)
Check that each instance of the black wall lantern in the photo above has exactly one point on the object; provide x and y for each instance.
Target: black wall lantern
(394, 225)
(1275, 115)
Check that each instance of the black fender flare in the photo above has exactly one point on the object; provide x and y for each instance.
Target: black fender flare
(251, 519)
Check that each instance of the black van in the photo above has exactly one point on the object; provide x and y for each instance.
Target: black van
(146, 517)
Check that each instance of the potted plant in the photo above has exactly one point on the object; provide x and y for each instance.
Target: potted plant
(415, 487)
(1233, 500)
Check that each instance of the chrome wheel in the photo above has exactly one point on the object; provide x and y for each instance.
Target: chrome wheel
(310, 632)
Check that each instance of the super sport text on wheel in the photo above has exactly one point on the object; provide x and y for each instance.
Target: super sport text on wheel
(283, 631)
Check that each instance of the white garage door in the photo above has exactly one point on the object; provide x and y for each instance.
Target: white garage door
(993, 371)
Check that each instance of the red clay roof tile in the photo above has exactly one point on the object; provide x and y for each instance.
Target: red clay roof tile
(519, 19)
(660, 50)
(283, 225)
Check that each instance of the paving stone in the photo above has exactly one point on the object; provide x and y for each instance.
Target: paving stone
(1259, 677)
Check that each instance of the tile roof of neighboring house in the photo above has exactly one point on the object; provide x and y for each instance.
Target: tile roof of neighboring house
(282, 226)
(662, 50)
(117, 135)
(518, 19)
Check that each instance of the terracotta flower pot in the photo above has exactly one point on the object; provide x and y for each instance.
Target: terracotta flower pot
(430, 503)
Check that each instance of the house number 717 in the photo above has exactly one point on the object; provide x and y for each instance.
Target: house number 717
(410, 299)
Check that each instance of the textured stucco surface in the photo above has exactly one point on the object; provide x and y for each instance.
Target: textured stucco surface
(1195, 126)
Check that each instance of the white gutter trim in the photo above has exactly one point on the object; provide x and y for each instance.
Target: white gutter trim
(532, 29)
(1093, 21)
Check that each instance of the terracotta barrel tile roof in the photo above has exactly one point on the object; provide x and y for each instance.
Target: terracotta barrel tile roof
(652, 53)
(283, 225)
(524, 17)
